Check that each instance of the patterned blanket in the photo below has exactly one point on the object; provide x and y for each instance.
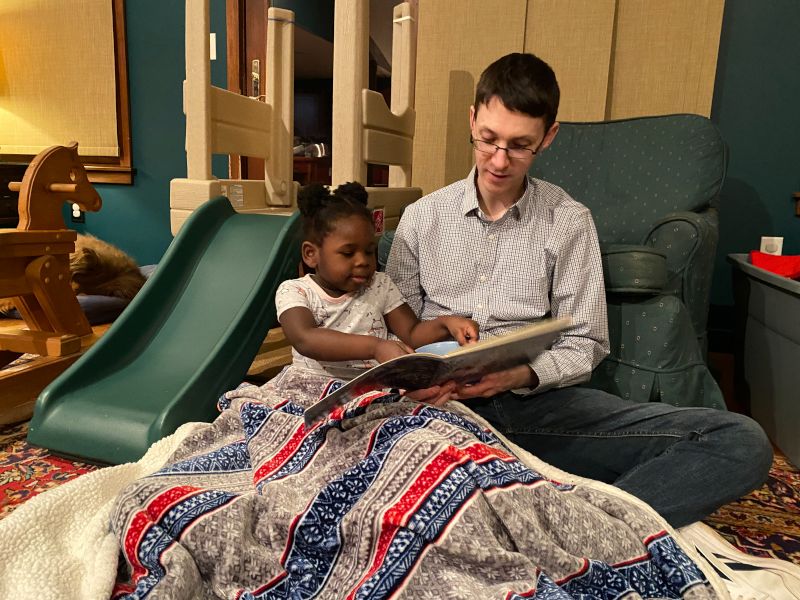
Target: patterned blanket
(385, 498)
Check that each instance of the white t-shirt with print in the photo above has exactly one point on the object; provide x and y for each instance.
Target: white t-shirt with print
(359, 312)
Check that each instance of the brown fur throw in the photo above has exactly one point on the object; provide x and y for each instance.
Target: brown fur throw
(99, 268)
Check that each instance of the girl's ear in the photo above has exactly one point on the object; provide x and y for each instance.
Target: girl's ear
(310, 254)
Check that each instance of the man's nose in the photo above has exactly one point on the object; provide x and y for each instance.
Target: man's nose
(500, 158)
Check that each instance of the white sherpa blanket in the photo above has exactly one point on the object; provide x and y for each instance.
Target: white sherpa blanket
(58, 544)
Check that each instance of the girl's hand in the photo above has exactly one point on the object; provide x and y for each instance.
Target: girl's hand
(463, 330)
(389, 349)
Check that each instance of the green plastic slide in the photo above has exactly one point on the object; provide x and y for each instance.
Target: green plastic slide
(189, 335)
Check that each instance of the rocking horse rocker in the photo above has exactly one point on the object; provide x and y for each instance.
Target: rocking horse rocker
(34, 257)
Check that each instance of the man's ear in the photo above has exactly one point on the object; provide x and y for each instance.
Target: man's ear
(310, 254)
(550, 135)
(472, 114)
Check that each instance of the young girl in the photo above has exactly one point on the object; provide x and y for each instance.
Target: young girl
(338, 318)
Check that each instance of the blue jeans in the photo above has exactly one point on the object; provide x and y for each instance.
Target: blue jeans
(684, 462)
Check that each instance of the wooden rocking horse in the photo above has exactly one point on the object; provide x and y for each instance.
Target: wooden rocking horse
(34, 257)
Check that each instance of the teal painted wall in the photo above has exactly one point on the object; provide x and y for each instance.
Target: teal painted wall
(757, 108)
(136, 217)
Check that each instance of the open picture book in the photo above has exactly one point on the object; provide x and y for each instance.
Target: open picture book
(465, 364)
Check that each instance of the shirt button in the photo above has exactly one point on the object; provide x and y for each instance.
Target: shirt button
(483, 277)
(491, 236)
(480, 306)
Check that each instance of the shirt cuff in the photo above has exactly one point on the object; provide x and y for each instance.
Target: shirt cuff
(546, 370)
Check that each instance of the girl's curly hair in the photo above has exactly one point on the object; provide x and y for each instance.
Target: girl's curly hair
(321, 208)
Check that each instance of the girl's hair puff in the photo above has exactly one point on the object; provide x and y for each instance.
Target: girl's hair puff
(321, 208)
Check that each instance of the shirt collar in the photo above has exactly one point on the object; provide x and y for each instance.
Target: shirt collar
(519, 210)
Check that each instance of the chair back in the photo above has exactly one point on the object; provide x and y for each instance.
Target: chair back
(632, 172)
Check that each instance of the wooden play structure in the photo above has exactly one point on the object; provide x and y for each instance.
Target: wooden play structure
(365, 130)
(34, 257)
(34, 271)
(222, 122)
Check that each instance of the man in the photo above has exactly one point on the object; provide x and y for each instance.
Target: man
(506, 249)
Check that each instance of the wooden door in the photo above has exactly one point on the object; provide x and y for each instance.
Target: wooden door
(246, 59)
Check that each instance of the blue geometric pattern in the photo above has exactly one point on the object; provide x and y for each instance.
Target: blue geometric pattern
(227, 459)
(299, 459)
(487, 437)
(666, 573)
(253, 416)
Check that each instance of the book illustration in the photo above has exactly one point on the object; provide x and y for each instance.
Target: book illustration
(466, 364)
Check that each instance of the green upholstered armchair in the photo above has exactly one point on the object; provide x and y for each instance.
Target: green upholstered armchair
(652, 185)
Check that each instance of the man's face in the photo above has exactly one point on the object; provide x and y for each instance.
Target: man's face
(499, 176)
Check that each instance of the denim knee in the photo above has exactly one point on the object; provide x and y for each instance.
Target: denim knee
(748, 445)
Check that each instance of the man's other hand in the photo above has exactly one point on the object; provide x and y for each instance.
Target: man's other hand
(435, 395)
(494, 383)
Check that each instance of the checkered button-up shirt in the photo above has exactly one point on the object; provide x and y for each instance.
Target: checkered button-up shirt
(540, 259)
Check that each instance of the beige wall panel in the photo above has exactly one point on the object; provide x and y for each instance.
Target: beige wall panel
(574, 37)
(455, 42)
(665, 57)
(57, 76)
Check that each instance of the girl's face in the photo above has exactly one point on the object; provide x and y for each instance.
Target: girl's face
(345, 261)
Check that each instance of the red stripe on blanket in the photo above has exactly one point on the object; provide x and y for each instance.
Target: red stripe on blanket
(121, 589)
(145, 518)
(482, 452)
(578, 573)
(642, 557)
(337, 414)
(398, 515)
(285, 453)
(632, 561)
(656, 536)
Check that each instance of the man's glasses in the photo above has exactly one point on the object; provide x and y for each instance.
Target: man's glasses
(517, 152)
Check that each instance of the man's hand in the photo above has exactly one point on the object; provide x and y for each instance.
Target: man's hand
(495, 383)
(435, 395)
(389, 349)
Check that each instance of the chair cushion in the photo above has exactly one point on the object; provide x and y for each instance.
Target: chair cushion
(633, 269)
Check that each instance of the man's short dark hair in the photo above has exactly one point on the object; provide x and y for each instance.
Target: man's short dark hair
(523, 83)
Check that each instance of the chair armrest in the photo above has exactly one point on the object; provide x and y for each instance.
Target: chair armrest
(629, 269)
